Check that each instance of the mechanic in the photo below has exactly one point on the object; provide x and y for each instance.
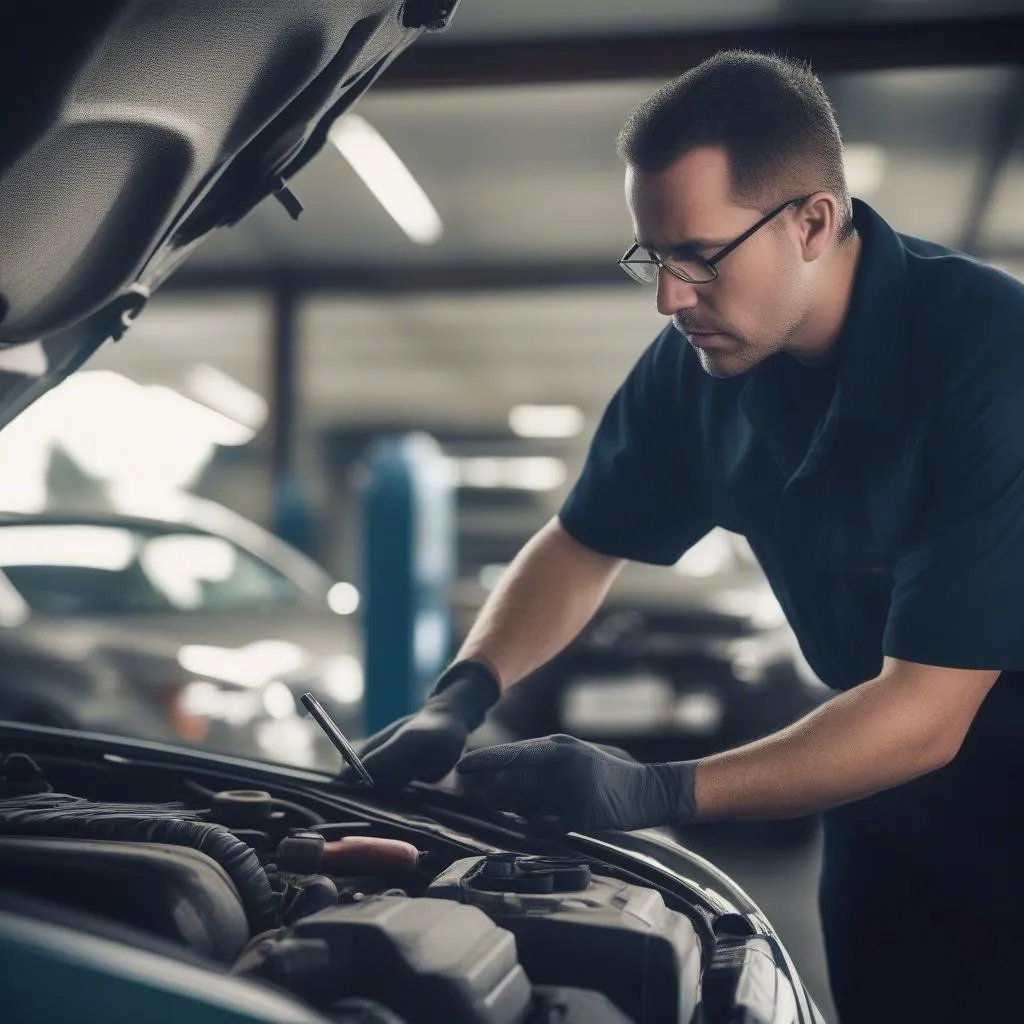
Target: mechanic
(852, 401)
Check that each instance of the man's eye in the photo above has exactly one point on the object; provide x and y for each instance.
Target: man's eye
(682, 255)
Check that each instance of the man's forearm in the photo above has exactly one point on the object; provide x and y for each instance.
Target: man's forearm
(860, 742)
(547, 595)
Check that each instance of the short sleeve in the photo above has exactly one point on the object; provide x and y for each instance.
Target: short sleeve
(958, 594)
(638, 495)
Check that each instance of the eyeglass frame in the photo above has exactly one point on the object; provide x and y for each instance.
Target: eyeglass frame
(713, 261)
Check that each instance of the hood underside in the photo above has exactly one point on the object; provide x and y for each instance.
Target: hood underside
(135, 128)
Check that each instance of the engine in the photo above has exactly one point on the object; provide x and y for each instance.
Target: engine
(351, 921)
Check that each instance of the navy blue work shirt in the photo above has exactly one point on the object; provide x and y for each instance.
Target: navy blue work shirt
(883, 496)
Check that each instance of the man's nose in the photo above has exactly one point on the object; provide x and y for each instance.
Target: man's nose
(674, 294)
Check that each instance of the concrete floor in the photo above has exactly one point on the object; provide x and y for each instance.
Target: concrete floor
(779, 870)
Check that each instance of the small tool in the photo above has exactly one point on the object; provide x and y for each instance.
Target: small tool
(336, 736)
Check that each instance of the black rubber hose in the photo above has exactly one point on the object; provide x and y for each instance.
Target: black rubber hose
(60, 816)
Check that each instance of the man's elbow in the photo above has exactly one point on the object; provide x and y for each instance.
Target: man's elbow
(940, 702)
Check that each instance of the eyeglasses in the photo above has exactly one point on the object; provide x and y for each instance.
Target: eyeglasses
(643, 265)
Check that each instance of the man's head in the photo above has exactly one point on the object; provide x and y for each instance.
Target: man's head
(708, 156)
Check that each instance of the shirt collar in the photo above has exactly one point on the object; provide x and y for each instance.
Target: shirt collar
(873, 344)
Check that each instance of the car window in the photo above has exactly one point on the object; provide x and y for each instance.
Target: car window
(86, 569)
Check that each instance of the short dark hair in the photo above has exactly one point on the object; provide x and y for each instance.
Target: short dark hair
(770, 114)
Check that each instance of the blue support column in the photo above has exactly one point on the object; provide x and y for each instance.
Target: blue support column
(290, 507)
(408, 529)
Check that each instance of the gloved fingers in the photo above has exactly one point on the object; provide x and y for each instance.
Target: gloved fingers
(378, 739)
(423, 747)
(521, 789)
(490, 759)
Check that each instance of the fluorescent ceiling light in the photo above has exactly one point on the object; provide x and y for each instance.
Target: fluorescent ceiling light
(865, 164)
(546, 420)
(216, 389)
(526, 473)
(386, 177)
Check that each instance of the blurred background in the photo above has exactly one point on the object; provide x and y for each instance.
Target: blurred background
(386, 398)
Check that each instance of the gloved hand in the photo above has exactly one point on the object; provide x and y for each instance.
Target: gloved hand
(561, 784)
(426, 745)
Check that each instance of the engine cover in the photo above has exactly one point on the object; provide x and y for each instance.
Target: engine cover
(588, 931)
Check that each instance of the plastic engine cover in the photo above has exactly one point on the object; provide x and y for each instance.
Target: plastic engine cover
(421, 958)
(602, 934)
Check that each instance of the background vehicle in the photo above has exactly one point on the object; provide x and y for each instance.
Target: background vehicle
(674, 665)
(198, 626)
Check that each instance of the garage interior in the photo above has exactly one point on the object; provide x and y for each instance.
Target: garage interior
(497, 322)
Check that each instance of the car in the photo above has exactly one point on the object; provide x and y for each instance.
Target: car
(167, 883)
(197, 622)
(145, 880)
(675, 665)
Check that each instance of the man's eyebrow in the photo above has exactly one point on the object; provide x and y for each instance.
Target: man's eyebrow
(690, 245)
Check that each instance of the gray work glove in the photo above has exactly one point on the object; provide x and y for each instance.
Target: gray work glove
(561, 784)
(426, 745)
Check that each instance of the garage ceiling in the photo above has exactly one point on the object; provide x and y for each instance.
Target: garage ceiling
(529, 191)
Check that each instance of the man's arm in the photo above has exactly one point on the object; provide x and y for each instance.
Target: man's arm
(546, 596)
(909, 721)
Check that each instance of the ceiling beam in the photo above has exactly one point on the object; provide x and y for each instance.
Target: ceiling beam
(433, 277)
(830, 47)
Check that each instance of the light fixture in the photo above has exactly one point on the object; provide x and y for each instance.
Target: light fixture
(343, 599)
(546, 420)
(386, 177)
(525, 473)
(865, 164)
(219, 391)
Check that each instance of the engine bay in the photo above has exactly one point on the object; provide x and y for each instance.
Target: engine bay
(359, 918)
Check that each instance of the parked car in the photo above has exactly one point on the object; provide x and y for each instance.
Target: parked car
(674, 665)
(170, 884)
(197, 626)
(144, 881)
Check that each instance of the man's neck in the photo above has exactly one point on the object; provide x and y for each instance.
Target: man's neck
(815, 343)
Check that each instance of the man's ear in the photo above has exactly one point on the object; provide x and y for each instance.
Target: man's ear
(817, 220)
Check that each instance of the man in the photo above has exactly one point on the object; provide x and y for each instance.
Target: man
(852, 401)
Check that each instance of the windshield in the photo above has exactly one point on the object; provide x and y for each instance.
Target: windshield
(79, 569)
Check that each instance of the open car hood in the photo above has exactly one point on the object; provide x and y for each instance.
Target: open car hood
(358, 905)
(135, 128)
